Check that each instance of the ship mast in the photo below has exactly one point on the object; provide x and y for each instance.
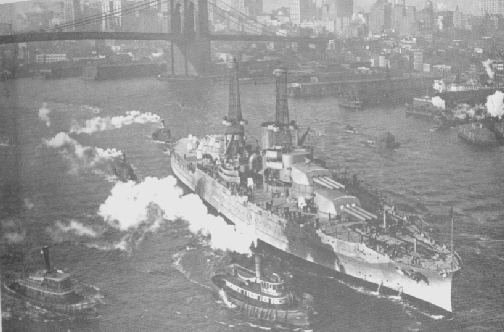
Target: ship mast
(451, 237)
(282, 122)
(234, 122)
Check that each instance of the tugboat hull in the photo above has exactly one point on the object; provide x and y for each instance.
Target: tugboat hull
(86, 307)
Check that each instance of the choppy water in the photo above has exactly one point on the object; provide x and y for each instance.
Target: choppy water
(162, 283)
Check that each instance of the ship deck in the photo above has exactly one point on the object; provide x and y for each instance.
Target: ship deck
(397, 245)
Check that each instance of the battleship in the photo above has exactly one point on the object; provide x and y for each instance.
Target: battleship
(286, 198)
(55, 290)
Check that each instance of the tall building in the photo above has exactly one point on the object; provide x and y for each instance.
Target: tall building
(492, 7)
(426, 18)
(302, 10)
(337, 15)
(91, 9)
(254, 7)
(380, 17)
(404, 21)
(111, 9)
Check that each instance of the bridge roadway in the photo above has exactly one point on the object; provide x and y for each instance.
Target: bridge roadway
(179, 38)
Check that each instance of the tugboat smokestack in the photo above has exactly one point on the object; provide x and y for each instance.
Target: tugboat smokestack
(257, 266)
(47, 259)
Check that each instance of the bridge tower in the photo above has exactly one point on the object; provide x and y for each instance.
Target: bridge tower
(189, 18)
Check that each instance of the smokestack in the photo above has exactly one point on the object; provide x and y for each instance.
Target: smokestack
(234, 119)
(257, 259)
(282, 107)
(47, 259)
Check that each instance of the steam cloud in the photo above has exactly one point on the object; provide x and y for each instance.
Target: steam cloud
(488, 68)
(438, 102)
(44, 114)
(76, 228)
(109, 123)
(83, 156)
(13, 232)
(495, 104)
(439, 85)
(132, 206)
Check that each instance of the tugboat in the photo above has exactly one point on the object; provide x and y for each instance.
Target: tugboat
(55, 290)
(123, 170)
(289, 200)
(422, 107)
(263, 298)
(163, 134)
(478, 134)
(350, 103)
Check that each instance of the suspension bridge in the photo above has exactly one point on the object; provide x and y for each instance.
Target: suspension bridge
(185, 25)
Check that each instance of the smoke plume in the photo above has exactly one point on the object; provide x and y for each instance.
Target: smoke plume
(43, 114)
(438, 102)
(77, 228)
(495, 104)
(109, 123)
(439, 85)
(488, 68)
(12, 231)
(132, 206)
(83, 156)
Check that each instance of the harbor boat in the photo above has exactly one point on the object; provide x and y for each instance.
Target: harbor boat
(422, 107)
(123, 170)
(163, 134)
(55, 290)
(348, 103)
(477, 134)
(278, 192)
(266, 298)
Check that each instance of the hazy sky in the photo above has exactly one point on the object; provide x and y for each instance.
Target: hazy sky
(469, 6)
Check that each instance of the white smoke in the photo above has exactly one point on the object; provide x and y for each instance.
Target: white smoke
(28, 203)
(495, 104)
(14, 237)
(83, 156)
(439, 85)
(109, 123)
(132, 206)
(13, 232)
(76, 228)
(488, 68)
(438, 102)
(43, 114)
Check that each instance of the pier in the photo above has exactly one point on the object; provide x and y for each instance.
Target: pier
(371, 90)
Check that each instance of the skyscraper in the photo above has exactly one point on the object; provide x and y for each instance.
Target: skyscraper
(301, 10)
(111, 9)
(491, 7)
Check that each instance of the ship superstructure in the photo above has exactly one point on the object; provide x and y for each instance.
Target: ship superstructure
(291, 201)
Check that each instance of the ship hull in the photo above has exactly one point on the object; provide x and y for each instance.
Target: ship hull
(351, 259)
(86, 308)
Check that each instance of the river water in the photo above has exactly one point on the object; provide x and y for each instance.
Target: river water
(160, 280)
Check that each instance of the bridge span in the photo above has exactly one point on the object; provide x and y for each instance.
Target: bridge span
(175, 37)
